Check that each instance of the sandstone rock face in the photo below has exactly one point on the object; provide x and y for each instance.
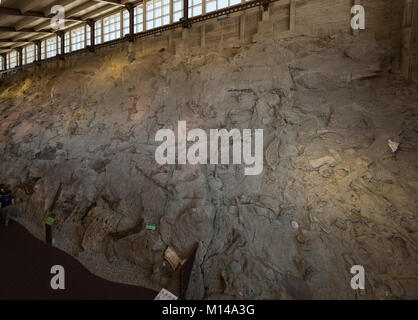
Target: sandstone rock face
(80, 142)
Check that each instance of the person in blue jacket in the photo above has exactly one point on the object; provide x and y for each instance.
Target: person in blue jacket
(6, 200)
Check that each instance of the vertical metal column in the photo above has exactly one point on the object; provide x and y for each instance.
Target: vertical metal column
(92, 24)
(130, 8)
(4, 55)
(185, 13)
(39, 53)
(20, 58)
(61, 36)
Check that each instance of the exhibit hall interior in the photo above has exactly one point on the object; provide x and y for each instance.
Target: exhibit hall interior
(209, 150)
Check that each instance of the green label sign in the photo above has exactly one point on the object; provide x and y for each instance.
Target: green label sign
(150, 226)
(50, 219)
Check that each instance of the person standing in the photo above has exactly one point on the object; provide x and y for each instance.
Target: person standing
(7, 200)
(2, 200)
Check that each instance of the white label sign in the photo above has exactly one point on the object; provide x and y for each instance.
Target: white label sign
(164, 294)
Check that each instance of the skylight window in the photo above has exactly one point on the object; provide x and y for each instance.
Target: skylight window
(138, 18)
(12, 59)
(111, 27)
(77, 39)
(51, 47)
(30, 53)
(158, 13)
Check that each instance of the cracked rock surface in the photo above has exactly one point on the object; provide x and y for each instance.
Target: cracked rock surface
(79, 142)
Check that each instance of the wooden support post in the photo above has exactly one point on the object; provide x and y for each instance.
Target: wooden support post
(130, 8)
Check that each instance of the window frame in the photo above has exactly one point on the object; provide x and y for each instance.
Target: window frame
(163, 19)
(118, 15)
(80, 42)
(9, 59)
(54, 47)
(141, 18)
(25, 61)
(164, 14)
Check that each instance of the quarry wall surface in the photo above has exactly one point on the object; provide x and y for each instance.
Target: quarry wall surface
(77, 139)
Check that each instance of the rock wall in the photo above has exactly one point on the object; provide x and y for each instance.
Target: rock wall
(77, 139)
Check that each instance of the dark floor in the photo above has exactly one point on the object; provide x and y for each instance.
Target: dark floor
(25, 265)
